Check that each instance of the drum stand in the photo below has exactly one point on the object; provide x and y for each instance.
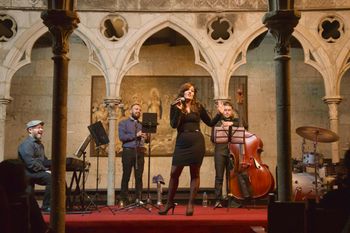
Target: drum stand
(316, 135)
(316, 164)
(316, 170)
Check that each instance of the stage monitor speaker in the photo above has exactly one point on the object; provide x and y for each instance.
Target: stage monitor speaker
(98, 133)
(149, 122)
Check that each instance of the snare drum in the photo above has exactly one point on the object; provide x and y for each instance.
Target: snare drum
(310, 159)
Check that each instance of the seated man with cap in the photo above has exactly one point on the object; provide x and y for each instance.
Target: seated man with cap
(31, 152)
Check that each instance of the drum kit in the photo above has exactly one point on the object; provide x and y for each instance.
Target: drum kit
(305, 184)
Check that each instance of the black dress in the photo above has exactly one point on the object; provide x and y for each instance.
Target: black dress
(190, 144)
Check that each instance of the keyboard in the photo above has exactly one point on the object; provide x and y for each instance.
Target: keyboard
(76, 164)
(72, 164)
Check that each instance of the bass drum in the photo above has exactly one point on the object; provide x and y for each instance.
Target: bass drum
(304, 186)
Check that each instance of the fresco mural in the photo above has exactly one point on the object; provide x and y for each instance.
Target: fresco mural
(155, 94)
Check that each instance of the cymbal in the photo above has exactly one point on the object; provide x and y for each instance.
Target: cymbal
(315, 133)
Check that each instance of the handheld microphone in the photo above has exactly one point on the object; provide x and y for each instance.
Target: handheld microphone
(178, 100)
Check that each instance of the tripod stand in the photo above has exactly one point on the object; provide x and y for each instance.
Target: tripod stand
(149, 201)
(149, 126)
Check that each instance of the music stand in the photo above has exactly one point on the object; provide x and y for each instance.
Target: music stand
(149, 126)
(100, 137)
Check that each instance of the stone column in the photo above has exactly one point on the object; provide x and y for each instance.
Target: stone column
(333, 103)
(112, 104)
(61, 24)
(3, 102)
(281, 25)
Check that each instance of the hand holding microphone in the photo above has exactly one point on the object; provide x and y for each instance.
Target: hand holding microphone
(178, 101)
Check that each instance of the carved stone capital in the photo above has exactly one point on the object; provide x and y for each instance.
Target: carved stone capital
(61, 24)
(112, 104)
(281, 25)
(222, 99)
(5, 100)
(333, 103)
(332, 100)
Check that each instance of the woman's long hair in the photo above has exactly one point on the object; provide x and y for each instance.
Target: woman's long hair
(195, 105)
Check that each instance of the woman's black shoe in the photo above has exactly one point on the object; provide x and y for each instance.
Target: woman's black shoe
(167, 208)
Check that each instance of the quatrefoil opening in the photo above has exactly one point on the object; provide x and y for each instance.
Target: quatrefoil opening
(114, 27)
(220, 30)
(331, 29)
(8, 28)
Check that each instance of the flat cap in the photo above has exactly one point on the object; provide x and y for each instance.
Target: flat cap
(34, 123)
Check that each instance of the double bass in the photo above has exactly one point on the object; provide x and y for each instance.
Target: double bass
(250, 178)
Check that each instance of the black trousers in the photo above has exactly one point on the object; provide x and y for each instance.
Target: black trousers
(129, 162)
(41, 178)
(221, 159)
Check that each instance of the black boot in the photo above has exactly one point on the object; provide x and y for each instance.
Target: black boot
(194, 170)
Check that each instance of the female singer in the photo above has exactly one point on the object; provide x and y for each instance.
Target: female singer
(185, 115)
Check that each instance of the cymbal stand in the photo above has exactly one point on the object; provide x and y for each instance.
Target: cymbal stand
(316, 168)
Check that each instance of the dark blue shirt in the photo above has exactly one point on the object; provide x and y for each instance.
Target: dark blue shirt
(127, 130)
(32, 153)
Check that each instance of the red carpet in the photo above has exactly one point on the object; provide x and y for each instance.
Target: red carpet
(204, 220)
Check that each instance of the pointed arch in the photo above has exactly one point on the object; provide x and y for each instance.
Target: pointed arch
(240, 54)
(345, 56)
(98, 55)
(316, 56)
(20, 53)
(129, 56)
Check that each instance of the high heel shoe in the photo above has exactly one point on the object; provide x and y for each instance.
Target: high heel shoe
(189, 210)
(167, 208)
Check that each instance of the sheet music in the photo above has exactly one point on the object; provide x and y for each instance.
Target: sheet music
(83, 146)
